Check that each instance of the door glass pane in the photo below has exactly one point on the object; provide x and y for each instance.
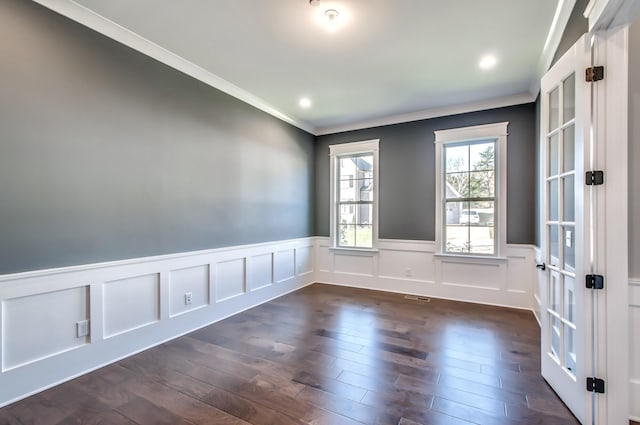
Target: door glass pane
(569, 299)
(568, 144)
(569, 90)
(569, 348)
(554, 112)
(555, 335)
(568, 189)
(553, 155)
(569, 249)
(553, 200)
(554, 251)
(554, 292)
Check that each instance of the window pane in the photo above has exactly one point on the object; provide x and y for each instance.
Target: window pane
(568, 144)
(457, 185)
(457, 158)
(569, 299)
(482, 156)
(457, 229)
(481, 234)
(569, 88)
(346, 181)
(346, 235)
(481, 184)
(346, 214)
(554, 109)
(364, 236)
(364, 214)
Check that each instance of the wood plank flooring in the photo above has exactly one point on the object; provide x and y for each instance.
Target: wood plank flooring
(323, 355)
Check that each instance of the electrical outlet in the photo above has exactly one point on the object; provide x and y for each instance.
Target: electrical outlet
(82, 328)
(408, 272)
(188, 298)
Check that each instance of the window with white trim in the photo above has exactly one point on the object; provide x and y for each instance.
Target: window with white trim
(354, 194)
(471, 190)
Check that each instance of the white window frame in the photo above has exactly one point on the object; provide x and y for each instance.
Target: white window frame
(497, 132)
(347, 149)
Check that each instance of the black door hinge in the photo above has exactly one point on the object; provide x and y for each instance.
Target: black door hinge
(594, 178)
(595, 281)
(595, 73)
(595, 385)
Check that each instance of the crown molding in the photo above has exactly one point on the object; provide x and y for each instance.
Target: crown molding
(558, 25)
(500, 102)
(106, 27)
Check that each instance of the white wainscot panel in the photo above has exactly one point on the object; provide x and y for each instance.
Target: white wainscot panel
(406, 265)
(353, 263)
(518, 274)
(285, 265)
(261, 271)
(304, 263)
(130, 303)
(324, 258)
(42, 325)
(230, 279)
(193, 281)
(476, 275)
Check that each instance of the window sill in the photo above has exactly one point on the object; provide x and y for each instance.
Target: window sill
(354, 251)
(471, 258)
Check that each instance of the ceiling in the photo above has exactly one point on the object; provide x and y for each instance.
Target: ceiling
(386, 61)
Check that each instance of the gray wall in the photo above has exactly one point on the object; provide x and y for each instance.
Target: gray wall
(107, 154)
(634, 150)
(407, 174)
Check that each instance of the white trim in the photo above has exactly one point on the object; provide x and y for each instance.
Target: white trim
(442, 111)
(611, 128)
(558, 25)
(608, 14)
(345, 149)
(497, 131)
(104, 26)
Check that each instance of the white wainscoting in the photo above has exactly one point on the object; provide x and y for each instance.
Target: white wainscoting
(634, 346)
(131, 305)
(413, 267)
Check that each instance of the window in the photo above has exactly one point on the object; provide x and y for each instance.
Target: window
(471, 192)
(354, 194)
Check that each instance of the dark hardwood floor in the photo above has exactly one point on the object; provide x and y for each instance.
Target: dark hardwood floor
(324, 355)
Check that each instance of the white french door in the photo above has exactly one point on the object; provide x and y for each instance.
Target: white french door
(565, 232)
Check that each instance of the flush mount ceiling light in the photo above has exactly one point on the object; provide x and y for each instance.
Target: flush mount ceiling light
(314, 3)
(487, 62)
(331, 14)
(304, 103)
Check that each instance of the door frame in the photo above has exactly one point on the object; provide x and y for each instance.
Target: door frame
(610, 128)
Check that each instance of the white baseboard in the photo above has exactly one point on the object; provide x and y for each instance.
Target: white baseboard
(131, 305)
(634, 348)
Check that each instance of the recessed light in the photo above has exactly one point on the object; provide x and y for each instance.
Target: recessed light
(487, 62)
(304, 102)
